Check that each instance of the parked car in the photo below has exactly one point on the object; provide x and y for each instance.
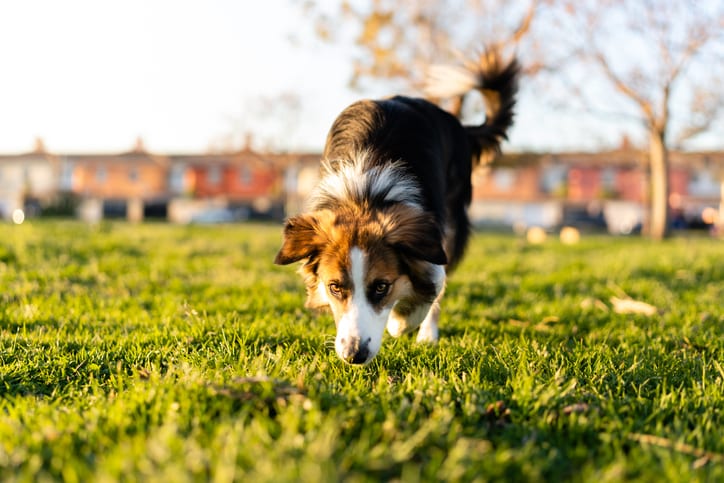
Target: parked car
(219, 215)
(584, 217)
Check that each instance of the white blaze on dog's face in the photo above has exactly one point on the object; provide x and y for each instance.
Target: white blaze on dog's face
(361, 265)
(361, 290)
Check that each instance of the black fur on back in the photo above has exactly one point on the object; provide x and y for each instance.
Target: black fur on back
(434, 148)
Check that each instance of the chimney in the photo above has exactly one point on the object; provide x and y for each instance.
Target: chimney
(139, 147)
(39, 146)
(248, 141)
(625, 144)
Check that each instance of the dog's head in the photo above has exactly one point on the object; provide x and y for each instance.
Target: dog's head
(361, 264)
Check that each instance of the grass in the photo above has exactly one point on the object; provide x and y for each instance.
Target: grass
(158, 352)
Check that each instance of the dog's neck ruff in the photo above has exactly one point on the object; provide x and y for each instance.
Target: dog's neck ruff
(359, 181)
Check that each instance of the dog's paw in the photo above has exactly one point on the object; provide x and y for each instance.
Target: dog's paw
(427, 334)
(396, 325)
(428, 329)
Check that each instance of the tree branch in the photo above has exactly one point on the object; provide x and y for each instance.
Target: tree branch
(525, 24)
(624, 88)
(695, 43)
(706, 107)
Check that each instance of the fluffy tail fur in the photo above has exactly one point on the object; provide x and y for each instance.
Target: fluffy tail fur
(497, 82)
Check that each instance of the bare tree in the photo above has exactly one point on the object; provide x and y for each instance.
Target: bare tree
(651, 53)
(264, 120)
(396, 41)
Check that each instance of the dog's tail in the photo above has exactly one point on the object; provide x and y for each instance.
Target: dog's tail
(497, 82)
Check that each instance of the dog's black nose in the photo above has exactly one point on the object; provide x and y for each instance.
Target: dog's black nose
(355, 351)
(361, 356)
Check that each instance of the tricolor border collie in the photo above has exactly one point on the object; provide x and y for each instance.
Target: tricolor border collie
(388, 219)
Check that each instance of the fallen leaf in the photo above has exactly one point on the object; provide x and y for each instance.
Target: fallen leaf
(518, 323)
(551, 319)
(576, 408)
(589, 303)
(631, 306)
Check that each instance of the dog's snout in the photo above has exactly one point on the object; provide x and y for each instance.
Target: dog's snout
(354, 350)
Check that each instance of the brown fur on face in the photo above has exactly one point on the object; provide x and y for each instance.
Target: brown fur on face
(401, 243)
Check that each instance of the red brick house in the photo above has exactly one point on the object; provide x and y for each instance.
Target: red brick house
(534, 184)
(243, 179)
(516, 176)
(520, 189)
(134, 180)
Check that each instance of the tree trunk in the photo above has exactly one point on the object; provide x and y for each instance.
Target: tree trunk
(658, 157)
(720, 220)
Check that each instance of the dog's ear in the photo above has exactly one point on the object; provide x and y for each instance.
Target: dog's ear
(415, 234)
(302, 239)
(427, 246)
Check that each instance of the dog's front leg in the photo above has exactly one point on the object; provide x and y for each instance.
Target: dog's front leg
(409, 314)
(423, 316)
(405, 318)
(428, 328)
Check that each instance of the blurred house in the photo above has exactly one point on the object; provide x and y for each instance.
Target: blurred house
(597, 191)
(518, 191)
(301, 176)
(27, 181)
(600, 191)
(130, 185)
(138, 185)
(246, 183)
(604, 190)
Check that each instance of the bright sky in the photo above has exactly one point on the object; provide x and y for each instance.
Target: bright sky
(90, 76)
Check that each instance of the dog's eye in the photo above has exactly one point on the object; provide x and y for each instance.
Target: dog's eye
(381, 288)
(335, 289)
(378, 291)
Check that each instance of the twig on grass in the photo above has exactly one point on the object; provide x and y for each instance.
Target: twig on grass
(703, 456)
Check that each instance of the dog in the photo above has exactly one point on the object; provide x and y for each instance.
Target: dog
(388, 220)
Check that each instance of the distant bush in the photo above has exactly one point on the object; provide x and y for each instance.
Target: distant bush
(63, 205)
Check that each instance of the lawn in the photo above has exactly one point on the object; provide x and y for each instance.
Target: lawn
(158, 352)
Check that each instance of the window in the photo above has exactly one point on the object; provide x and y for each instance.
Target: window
(101, 174)
(133, 175)
(214, 175)
(553, 179)
(503, 179)
(608, 179)
(66, 176)
(245, 176)
(177, 178)
(704, 183)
